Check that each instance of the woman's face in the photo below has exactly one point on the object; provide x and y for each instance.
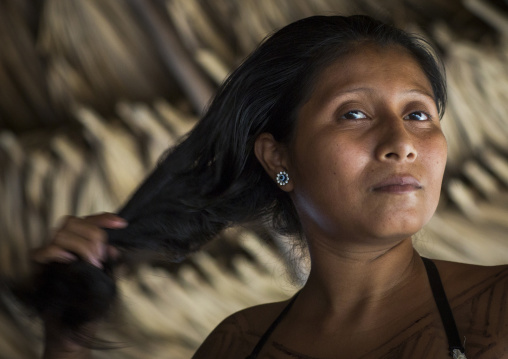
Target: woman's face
(368, 155)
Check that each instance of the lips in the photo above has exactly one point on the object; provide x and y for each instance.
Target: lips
(397, 184)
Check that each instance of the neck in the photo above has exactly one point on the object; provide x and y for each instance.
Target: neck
(351, 281)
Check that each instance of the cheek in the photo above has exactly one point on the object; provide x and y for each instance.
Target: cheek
(435, 162)
(327, 165)
(327, 174)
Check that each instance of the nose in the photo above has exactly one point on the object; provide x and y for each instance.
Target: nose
(395, 142)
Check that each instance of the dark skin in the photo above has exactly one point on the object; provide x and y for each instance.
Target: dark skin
(366, 164)
(411, 329)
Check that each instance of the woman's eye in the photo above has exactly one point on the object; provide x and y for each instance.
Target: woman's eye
(417, 116)
(354, 115)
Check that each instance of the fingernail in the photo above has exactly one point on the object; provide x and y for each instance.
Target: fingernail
(67, 257)
(96, 263)
(120, 221)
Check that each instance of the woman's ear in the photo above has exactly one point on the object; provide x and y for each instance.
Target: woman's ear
(273, 157)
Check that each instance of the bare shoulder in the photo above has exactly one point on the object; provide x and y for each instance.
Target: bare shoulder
(462, 278)
(237, 335)
(478, 296)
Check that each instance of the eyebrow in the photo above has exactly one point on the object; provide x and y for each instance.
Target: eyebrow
(371, 90)
(421, 92)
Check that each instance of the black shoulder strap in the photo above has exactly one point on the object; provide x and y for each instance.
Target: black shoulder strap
(443, 306)
(269, 331)
(455, 345)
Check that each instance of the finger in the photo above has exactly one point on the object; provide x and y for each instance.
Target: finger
(80, 228)
(52, 254)
(82, 237)
(90, 227)
(86, 229)
(107, 220)
(90, 251)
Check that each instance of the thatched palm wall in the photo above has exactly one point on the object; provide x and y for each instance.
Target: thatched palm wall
(92, 92)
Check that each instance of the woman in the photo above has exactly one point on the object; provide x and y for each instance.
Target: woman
(330, 131)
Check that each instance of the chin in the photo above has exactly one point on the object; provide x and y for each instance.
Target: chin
(397, 230)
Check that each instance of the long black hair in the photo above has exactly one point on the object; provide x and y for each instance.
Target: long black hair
(211, 179)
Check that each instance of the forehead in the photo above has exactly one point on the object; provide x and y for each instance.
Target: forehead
(382, 69)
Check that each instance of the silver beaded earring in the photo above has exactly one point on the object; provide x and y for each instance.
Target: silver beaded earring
(282, 178)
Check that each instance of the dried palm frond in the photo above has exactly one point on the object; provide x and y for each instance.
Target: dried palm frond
(24, 100)
(108, 51)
